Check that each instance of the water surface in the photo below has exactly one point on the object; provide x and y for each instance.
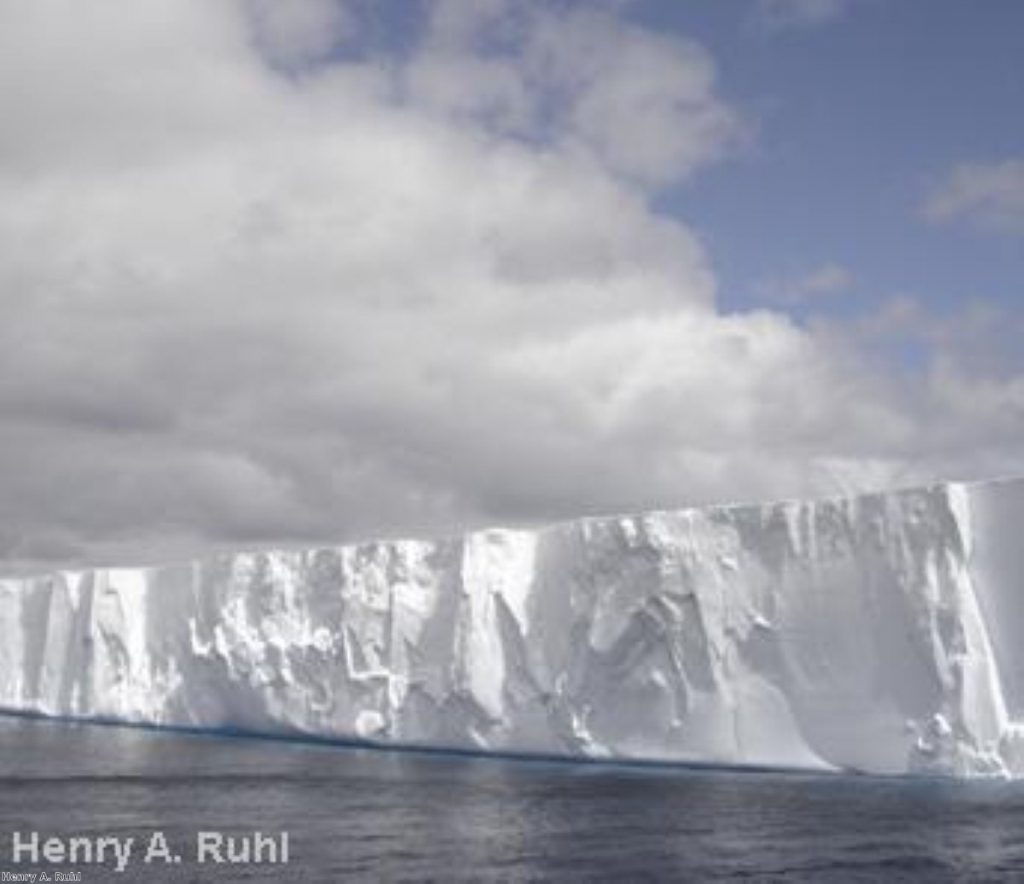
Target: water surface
(355, 814)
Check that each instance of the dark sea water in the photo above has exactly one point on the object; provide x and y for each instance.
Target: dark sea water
(355, 814)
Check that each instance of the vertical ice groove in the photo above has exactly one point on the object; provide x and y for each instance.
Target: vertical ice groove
(875, 633)
(984, 698)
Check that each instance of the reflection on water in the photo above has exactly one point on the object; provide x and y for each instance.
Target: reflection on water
(394, 816)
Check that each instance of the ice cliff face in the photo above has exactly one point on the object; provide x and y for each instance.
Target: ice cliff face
(883, 633)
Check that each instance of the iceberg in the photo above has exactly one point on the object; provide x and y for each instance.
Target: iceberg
(882, 633)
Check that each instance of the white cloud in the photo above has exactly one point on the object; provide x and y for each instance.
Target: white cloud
(990, 195)
(956, 373)
(980, 337)
(824, 281)
(297, 33)
(242, 305)
(643, 105)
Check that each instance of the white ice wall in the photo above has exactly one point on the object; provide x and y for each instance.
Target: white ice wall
(878, 633)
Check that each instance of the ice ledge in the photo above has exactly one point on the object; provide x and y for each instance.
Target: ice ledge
(877, 633)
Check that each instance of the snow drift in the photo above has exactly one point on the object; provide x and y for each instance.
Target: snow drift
(881, 633)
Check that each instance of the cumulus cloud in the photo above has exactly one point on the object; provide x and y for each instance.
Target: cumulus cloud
(989, 195)
(639, 104)
(299, 32)
(979, 336)
(956, 374)
(259, 289)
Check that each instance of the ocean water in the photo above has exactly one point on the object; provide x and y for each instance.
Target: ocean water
(354, 814)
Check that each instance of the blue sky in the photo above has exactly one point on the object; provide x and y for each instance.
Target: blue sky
(857, 118)
(306, 271)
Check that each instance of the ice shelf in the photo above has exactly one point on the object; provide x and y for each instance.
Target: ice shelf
(882, 633)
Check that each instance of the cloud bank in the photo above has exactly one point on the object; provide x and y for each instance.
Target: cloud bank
(267, 278)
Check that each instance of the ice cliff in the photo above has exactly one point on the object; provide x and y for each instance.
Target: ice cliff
(882, 633)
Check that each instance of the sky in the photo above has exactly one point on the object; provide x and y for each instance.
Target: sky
(323, 270)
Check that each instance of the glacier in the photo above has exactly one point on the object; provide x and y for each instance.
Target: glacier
(882, 634)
